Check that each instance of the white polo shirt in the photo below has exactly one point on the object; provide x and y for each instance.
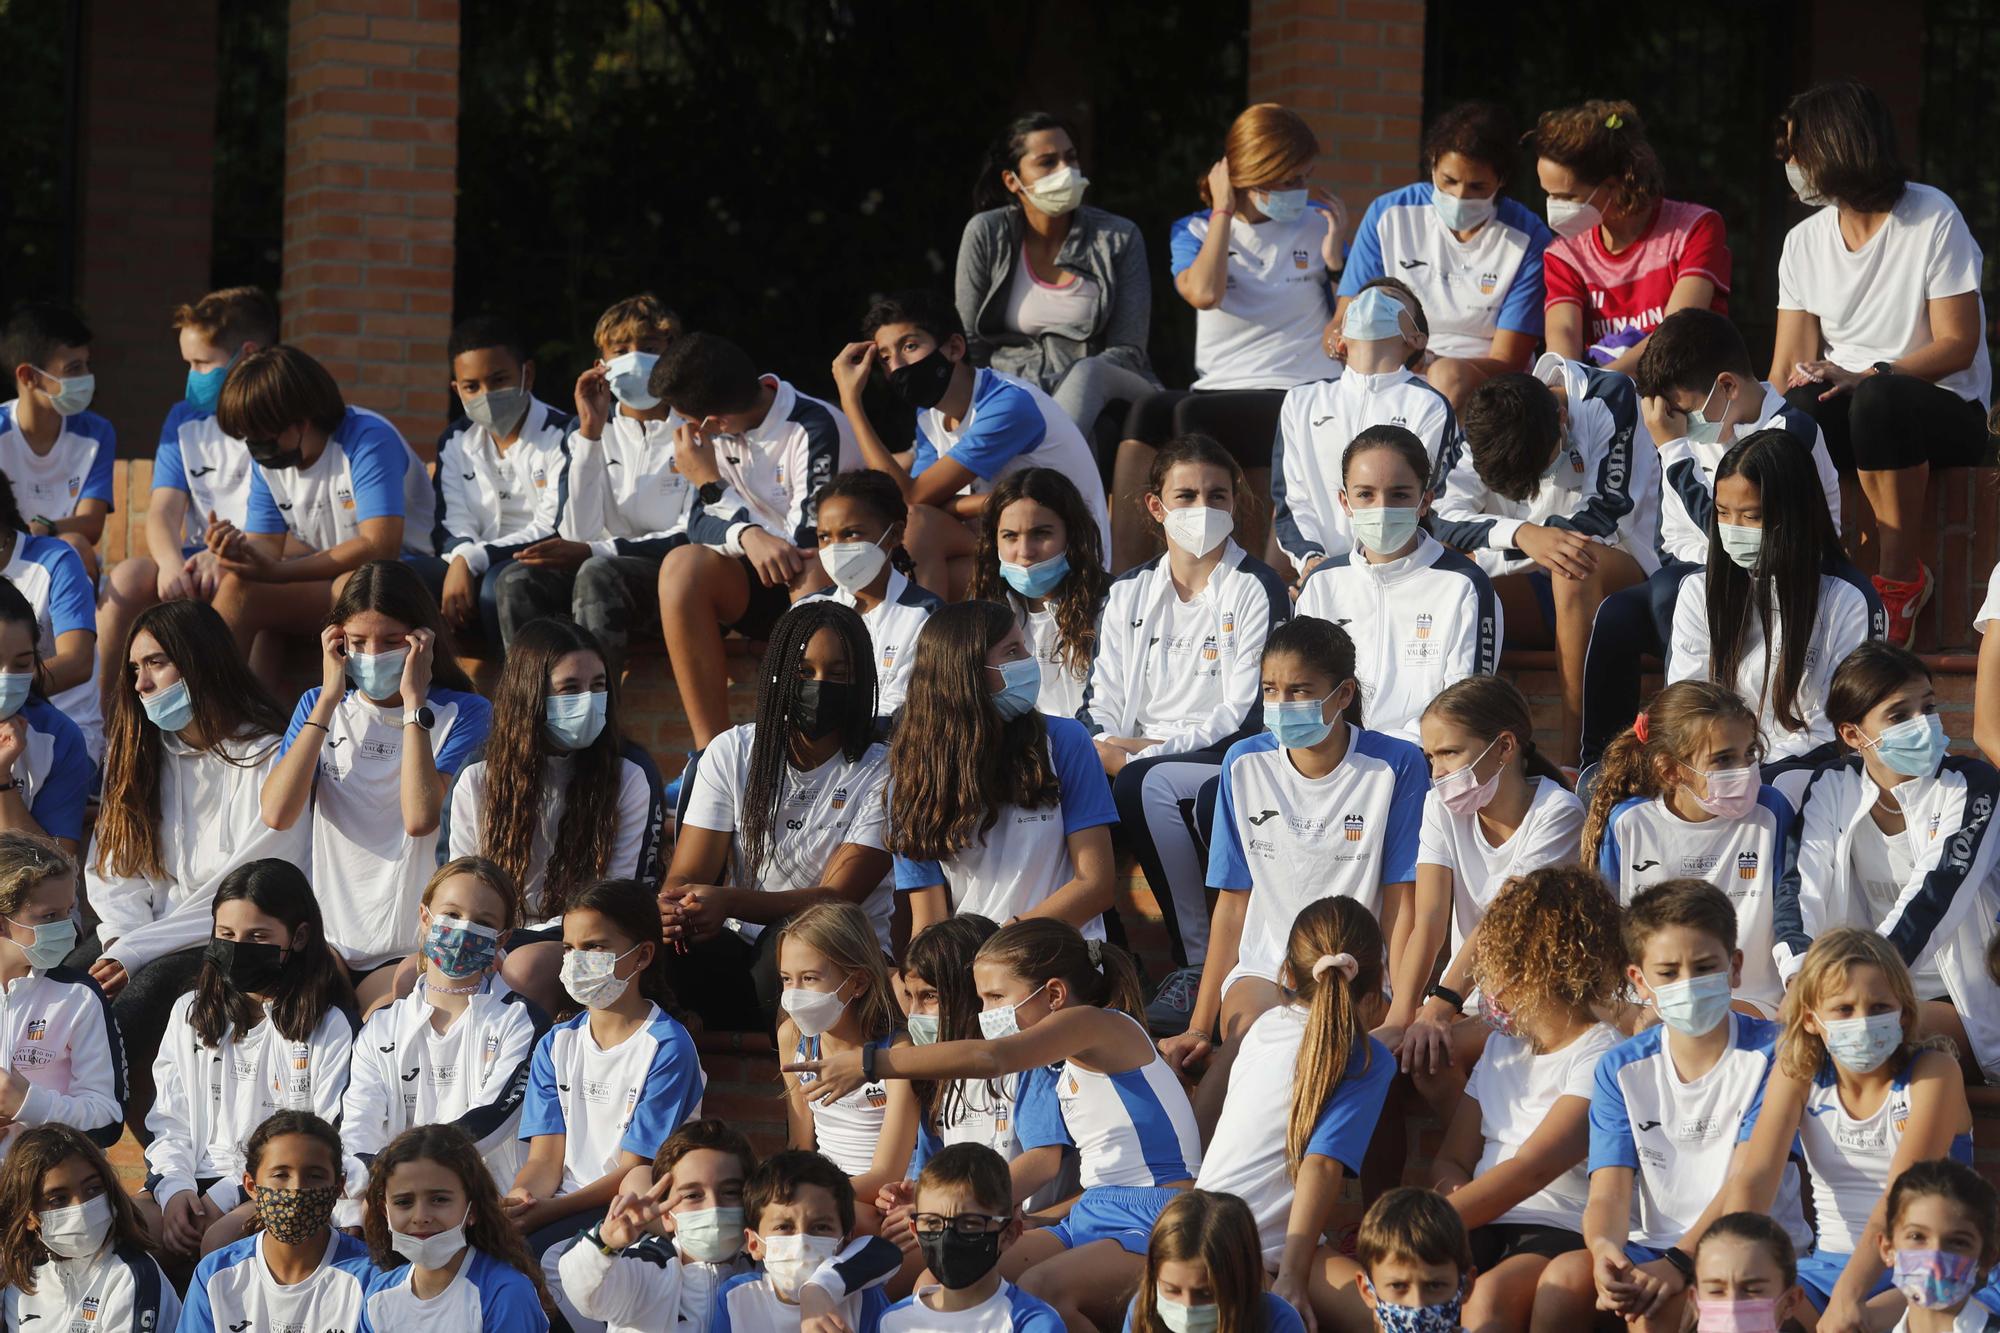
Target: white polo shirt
(1266, 333)
(629, 1098)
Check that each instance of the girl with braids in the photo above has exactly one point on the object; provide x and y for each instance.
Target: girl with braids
(1302, 1105)
(561, 798)
(1040, 553)
(1512, 1160)
(50, 574)
(1679, 796)
(1496, 810)
(191, 739)
(1778, 607)
(779, 814)
(443, 1251)
(838, 1000)
(369, 766)
(268, 1026)
(1051, 997)
(861, 521)
(73, 1252)
(45, 771)
(1005, 803)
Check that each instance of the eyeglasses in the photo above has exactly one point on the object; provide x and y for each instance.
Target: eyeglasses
(965, 1224)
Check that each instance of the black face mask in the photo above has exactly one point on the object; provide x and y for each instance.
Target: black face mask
(268, 454)
(959, 1261)
(248, 967)
(824, 707)
(922, 384)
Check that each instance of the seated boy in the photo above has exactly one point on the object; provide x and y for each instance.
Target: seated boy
(974, 426)
(55, 450)
(1699, 394)
(1415, 1261)
(493, 465)
(1383, 334)
(1556, 499)
(759, 452)
(799, 1208)
(1670, 1108)
(963, 1217)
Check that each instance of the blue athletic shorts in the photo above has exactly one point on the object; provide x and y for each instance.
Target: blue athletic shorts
(1124, 1213)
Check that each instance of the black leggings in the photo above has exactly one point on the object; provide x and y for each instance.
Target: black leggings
(732, 984)
(1890, 422)
(1245, 421)
(141, 1010)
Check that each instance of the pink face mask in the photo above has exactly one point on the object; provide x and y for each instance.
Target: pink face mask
(1732, 792)
(1461, 790)
(1749, 1316)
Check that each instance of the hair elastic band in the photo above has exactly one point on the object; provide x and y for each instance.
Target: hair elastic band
(1614, 121)
(1639, 728)
(1344, 963)
(1096, 950)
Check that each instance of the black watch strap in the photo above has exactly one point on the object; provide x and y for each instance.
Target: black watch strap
(868, 1062)
(1683, 1265)
(1883, 368)
(1447, 994)
(709, 492)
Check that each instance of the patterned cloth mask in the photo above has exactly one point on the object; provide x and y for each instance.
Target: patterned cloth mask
(292, 1216)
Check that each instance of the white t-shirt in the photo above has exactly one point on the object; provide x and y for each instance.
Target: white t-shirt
(628, 1098)
(1550, 834)
(839, 802)
(1062, 688)
(1008, 1310)
(1882, 865)
(1516, 1090)
(893, 627)
(1266, 332)
(634, 843)
(1989, 608)
(76, 467)
(484, 1294)
(367, 470)
(1035, 307)
(1873, 303)
(1851, 1157)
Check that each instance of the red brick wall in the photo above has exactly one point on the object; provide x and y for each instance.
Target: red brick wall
(371, 155)
(1355, 70)
(147, 145)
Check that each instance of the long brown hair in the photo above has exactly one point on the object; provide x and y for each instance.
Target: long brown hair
(954, 762)
(229, 703)
(35, 1153)
(312, 982)
(515, 753)
(1217, 1231)
(1676, 722)
(843, 935)
(1079, 597)
(942, 955)
(1327, 929)
(393, 589)
(1042, 949)
(486, 1226)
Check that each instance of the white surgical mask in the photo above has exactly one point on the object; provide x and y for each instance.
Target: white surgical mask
(430, 1251)
(1187, 1318)
(812, 1011)
(79, 1231)
(74, 395)
(587, 974)
(1739, 543)
(1573, 217)
(1795, 177)
(1459, 214)
(790, 1260)
(1198, 529)
(1058, 192)
(853, 565)
(709, 1235)
(1005, 1022)
(629, 376)
(924, 1029)
(1383, 529)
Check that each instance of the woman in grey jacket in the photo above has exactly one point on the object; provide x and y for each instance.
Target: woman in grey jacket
(1050, 291)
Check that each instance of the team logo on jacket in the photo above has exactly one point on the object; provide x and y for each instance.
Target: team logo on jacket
(1746, 865)
(489, 1049)
(1487, 282)
(38, 1029)
(1354, 826)
(89, 1309)
(541, 478)
(778, 476)
(1208, 649)
(75, 485)
(839, 799)
(1301, 259)
(1424, 622)
(1228, 622)
(888, 655)
(1936, 818)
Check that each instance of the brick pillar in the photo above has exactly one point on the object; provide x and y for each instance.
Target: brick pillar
(371, 160)
(147, 144)
(1355, 70)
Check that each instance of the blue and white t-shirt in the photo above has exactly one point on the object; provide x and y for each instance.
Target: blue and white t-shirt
(233, 1289)
(55, 773)
(1851, 1158)
(1288, 840)
(1470, 289)
(367, 470)
(1012, 425)
(1266, 333)
(748, 1303)
(359, 842)
(484, 1294)
(210, 468)
(50, 574)
(1132, 1128)
(1008, 1310)
(629, 1098)
(1677, 1135)
(76, 467)
(1024, 857)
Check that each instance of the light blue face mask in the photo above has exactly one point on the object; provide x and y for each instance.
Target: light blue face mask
(1383, 530)
(1700, 429)
(1460, 214)
(1913, 746)
(1299, 724)
(1187, 1318)
(1693, 1007)
(169, 708)
(1038, 579)
(629, 374)
(53, 941)
(377, 675)
(1862, 1044)
(1742, 545)
(14, 688)
(1375, 313)
(1280, 205)
(74, 395)
(923, 1028)
(575, 720)
(1021, 687)
(204, 387)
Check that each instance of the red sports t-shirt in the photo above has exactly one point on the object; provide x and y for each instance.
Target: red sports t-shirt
(1624, 296)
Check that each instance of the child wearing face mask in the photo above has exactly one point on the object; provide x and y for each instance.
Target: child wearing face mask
(297, 1270)
(1746, 1277)
(1864, 1101)
(799, 1213)
(1202, 1274)
(861, 518)
(1175, 681)
(457, 1048)
(1891, 838)
(1426, 616)
(964, 1219)
(62, 608)
(1778, 607)
(1415, 1261)
(837, 1001)
(1381, 340)
(444, 1254)
(269, 1026)
(1942, 1241)
(42, 754)
(606, 1087)
(1671, 1109)
(80, 1252)
(368, 758)
(1679, 795)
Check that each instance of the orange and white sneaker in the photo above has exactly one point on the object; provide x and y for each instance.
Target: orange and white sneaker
(1901, 601)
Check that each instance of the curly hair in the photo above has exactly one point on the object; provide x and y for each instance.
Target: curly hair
(1551, 941)
(1076, 600)
(486, 1225)
(1604, 142)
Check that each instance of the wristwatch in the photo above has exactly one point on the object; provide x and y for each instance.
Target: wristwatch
(420, 716)
(1883, 368)
(709, 492)
(1683, 1265)
(868, 1063)
(1447, 994)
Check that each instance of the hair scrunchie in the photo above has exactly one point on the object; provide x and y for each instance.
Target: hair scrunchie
(1096, 949)
(1344, 963)
(1640, 728)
